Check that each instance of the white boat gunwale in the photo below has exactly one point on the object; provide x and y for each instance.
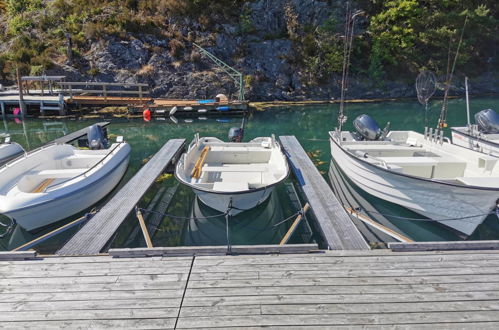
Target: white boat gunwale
(481, 140)
(76, 190)
(351, 155)
(253, 190)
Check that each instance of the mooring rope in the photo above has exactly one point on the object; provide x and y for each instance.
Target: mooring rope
(358, 209)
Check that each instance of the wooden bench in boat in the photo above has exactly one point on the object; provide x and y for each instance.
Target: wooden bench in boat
(42, 186)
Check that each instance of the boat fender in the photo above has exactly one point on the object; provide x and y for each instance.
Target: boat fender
(188, 108)
(361, 154)
(147, 115)
(173, 110)
(202, 110)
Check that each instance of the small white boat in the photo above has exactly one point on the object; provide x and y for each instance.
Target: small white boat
(9, 150)
(429, 176)
(483, 136)
(54, 182)
(235, 176)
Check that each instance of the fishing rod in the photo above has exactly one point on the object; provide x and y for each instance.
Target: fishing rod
(443, 113)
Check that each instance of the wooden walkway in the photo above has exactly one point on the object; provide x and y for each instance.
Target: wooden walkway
(344, 289)
(92, 238)
(337, 229)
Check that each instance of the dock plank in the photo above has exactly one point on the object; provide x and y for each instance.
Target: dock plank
(336, 226)
(94, 235)
(346, 290)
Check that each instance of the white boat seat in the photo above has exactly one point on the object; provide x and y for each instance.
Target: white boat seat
(445, 167)
(236, 168)
(385, 150)
(479, 181)
(248, 177)
(230, 186)
(60, 173)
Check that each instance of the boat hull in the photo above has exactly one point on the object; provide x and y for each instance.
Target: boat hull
(9, 151)
(474, 143)
(42, 214)
(432, 199)
(234, 203)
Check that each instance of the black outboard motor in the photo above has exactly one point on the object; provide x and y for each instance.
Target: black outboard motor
(487, 121)
(367, 127)
(96, 138)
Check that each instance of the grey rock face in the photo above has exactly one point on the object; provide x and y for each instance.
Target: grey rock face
(262, 51)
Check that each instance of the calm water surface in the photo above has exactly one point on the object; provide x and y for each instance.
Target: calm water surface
(309, 124)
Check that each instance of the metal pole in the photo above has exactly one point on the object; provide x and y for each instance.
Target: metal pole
(21, 98)
(467, 101)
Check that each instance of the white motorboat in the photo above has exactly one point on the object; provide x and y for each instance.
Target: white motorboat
(9, 150)
(232, 175)
(425, 174)
(483, 136)
(56, 181)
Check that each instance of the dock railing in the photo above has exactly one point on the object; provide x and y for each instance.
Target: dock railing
(104, 89)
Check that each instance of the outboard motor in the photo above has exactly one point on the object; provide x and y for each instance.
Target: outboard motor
(236, 134)
(487, 121)
(96, 138)
(367, 127)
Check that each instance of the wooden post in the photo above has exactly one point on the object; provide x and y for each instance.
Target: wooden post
(140, 93)
(143, 227)
(20, 87)
(3, 109)
(105, 92)
(293, 227)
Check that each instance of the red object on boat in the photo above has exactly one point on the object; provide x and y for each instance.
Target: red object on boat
(147, 115)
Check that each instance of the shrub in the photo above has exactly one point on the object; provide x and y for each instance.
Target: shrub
(176, 47)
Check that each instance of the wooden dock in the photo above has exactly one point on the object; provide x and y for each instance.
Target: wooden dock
(92, 238)
(344, 289)
(336, 226)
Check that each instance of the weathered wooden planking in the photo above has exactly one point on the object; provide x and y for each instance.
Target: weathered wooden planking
(338, 230)
(444, 246)
(110, 323)
(212, 250)
(20, 255)
(337, 319)
(92, 238)
(77, 134)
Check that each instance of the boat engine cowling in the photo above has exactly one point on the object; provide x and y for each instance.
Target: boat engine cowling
(236, 134)
(487, 121)
(96, 138)
(367, 127)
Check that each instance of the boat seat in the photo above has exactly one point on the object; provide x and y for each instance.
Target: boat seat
(237, 168)
(60, 173)
(479, 181)
(385, 150)
(230, 186)
(417, 166)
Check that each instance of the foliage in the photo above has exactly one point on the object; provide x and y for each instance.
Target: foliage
(408, 35)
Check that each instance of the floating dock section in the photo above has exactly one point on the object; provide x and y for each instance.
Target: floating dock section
(338, 230)
(94, 235)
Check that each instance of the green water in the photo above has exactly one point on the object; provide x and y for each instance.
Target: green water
(309, 124)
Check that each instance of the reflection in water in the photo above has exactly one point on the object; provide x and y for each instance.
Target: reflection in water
(255, 226)
(309, 124)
